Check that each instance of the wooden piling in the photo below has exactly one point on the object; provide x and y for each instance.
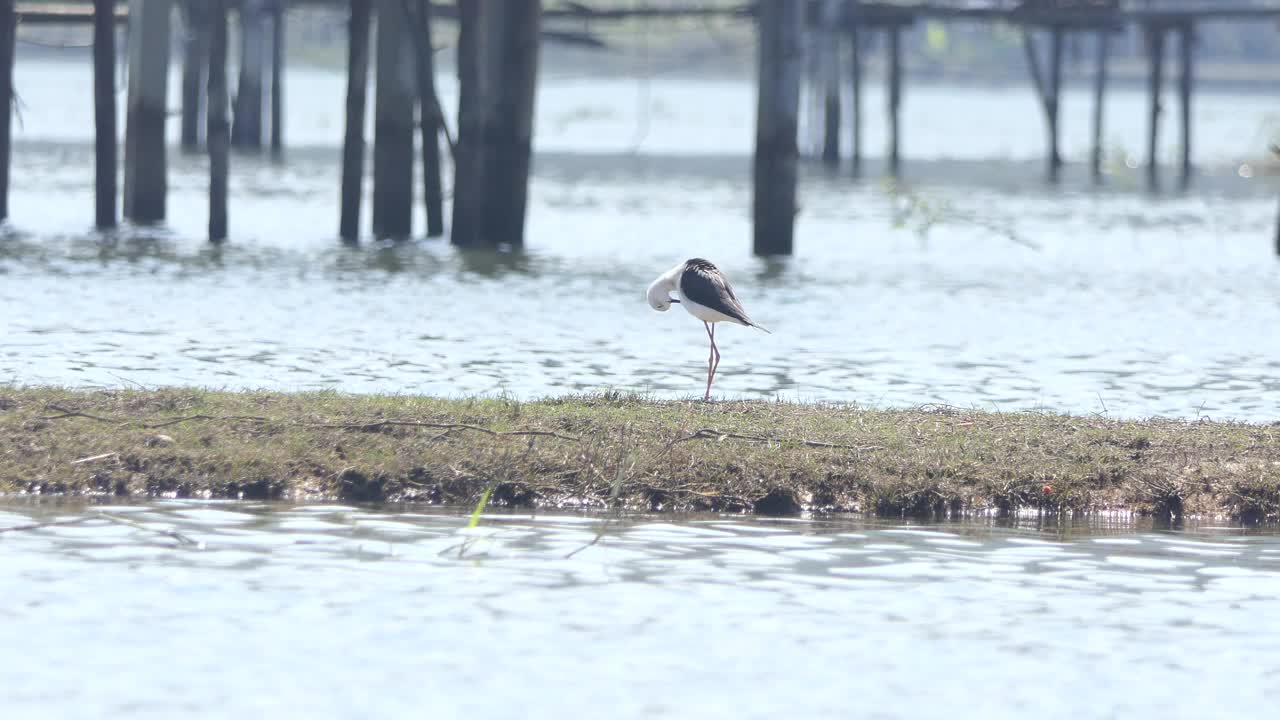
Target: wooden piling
(511, 130)
(1053, 97)
(277, 77)
(1048, 89)
(246, 124)
(855, 88)
(497, 65)
(353, 139)
(467, 201)
(813, 91)
(145, 184)
(8, 40)
(895, 94)
(429, 118)
(779, 27)
(829, 46)
(217, 131)
(1155, 56)
(104, 113)
(1103, 40)
(394, 94)
(195, 55)
(1186, 38)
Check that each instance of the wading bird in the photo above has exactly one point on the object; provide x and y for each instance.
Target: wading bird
(705, 292)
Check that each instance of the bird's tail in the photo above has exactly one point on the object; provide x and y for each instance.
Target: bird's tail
(758, 326)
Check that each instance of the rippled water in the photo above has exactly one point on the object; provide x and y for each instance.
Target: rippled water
(1020, 296)
(261, 610)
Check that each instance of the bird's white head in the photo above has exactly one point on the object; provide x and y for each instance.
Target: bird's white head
(660, 290)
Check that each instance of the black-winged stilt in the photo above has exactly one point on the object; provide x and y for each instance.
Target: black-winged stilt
(705, 292)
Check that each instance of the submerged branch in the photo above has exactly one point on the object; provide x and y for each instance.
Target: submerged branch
(363, 426)
(718, 435)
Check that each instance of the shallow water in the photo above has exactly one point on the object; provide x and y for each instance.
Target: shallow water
(372, 612)
(1019, 296)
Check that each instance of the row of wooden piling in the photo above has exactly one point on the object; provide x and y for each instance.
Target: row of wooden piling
(862, 23)
(497, 66)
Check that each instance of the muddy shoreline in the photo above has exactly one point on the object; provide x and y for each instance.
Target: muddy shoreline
(626, 451)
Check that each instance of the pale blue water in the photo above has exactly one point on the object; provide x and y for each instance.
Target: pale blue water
(332, 611)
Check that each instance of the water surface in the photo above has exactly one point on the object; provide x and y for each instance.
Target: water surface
(333, 611)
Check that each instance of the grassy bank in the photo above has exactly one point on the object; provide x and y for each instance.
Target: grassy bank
(598, 451)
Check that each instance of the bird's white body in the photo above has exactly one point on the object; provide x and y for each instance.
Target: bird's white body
(659, 297)
(715, 302)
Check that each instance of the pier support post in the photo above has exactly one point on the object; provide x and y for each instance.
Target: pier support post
(1053, 97)
(812, 90)
(217, 132)
(467, 203)
(829, 49)
(1155, 79)
(8, 41)
(1048, 91)
(195, 54)
(895, 94)
(353, 139)
(855, 88)
(394, 94)
(1103, 41)
(779, 26)
(277, 77)
(145, 184)
(1186, 39)
(507, 168)
(499, 59)
(104, 112)
(429, 118)
(246, 126)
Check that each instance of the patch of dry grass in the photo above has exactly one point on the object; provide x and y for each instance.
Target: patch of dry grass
(602, 450)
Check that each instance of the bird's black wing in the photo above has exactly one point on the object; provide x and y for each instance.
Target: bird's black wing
(703, 283)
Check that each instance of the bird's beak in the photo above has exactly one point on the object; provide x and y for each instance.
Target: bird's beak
(674, 300)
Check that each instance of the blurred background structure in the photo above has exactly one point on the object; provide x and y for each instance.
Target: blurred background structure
(818, 49)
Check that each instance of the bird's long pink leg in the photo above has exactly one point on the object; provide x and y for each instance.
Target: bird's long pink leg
(711, 334)
(715, 349)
